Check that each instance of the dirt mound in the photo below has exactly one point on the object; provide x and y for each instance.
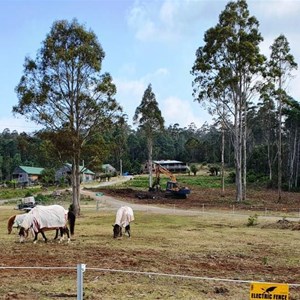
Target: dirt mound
(284, 224)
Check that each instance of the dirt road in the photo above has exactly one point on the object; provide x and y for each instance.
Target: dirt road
(109, 203)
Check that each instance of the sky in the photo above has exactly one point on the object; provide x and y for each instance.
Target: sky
(145, 41)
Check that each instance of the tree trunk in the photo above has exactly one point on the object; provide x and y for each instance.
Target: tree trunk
(76, 184)
(297, 163)
(279, 144)
(238, 154)
(150, 164)
(269, 160)
(293, 143)
(222, 157)
(244, 141)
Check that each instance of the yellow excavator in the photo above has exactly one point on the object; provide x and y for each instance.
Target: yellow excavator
(173, 189)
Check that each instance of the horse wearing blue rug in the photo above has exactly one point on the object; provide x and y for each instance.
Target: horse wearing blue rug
(123, 218)
(44, 218)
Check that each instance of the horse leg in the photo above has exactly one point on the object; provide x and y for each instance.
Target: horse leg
(62, 231)
(127, 229)
(44, 236)
(56, 234)
(67, 231)
(35, 237)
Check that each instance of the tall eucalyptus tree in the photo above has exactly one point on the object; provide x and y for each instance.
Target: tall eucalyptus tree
(149, 118)
(225, 71)
(281, 65)
(63, 90)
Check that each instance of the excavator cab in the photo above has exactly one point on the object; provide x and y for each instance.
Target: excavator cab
(173, 190)
(172, 186)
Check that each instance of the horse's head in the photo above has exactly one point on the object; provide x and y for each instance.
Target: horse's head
(23, 234)
(117, 230)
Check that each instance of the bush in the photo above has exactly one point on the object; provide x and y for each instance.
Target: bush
(252, 220)
(194, 169)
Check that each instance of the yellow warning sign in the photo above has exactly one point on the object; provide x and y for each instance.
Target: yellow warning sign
(260, 290)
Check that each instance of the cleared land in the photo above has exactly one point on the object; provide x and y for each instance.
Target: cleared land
(215, 243)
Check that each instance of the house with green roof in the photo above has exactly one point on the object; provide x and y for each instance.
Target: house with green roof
(26, 175)
(65, 172)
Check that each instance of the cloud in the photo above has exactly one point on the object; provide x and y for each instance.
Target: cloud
(19, 124)
(136, 87)
(167, 20)
(176, 110)
(277, 8)
(130, 91)
(130, 87)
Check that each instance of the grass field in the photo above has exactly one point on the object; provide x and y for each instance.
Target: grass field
(209, 245)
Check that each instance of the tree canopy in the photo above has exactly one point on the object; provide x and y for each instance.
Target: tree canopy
(64, 90)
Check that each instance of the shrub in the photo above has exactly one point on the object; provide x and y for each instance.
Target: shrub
(252, 220)
(194, 169)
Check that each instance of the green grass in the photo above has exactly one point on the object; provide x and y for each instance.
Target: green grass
(142, 181)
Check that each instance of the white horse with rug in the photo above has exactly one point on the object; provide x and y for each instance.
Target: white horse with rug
(123, 219)
(43, 218)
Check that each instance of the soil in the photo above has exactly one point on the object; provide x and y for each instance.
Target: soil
(257, 200)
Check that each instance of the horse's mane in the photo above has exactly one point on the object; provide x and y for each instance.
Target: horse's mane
(10, 223)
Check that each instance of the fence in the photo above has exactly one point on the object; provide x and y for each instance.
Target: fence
(81, 268)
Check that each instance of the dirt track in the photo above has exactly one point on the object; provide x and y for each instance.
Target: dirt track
(198, 203)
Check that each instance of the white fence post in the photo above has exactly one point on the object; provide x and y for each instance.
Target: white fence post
(80, 271)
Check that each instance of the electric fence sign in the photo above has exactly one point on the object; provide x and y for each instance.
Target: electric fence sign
(276, 291)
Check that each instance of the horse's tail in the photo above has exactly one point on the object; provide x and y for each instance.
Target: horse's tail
(71, 219)
(10, 224)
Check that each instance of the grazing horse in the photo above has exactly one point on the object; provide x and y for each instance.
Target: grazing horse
(15, 221)
(44, 218)
(123, 218)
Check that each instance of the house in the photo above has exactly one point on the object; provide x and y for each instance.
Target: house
(66, 170)
(27, 175)
(173, 166)
(109, 169)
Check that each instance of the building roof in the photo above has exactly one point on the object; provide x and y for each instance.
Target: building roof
(163, 162)
(32, 170)
(104, 166)
(83, 169)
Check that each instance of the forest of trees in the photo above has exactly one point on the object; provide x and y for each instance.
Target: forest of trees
(189, 144)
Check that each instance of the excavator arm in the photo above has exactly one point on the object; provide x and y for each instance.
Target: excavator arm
(162, 170)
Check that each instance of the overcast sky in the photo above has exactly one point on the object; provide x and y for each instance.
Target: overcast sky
(145, 41)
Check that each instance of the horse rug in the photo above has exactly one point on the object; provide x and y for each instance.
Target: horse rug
(18, 220)
(52, 216)
(124, 216)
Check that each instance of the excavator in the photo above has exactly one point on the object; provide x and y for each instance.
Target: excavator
(173, 190)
